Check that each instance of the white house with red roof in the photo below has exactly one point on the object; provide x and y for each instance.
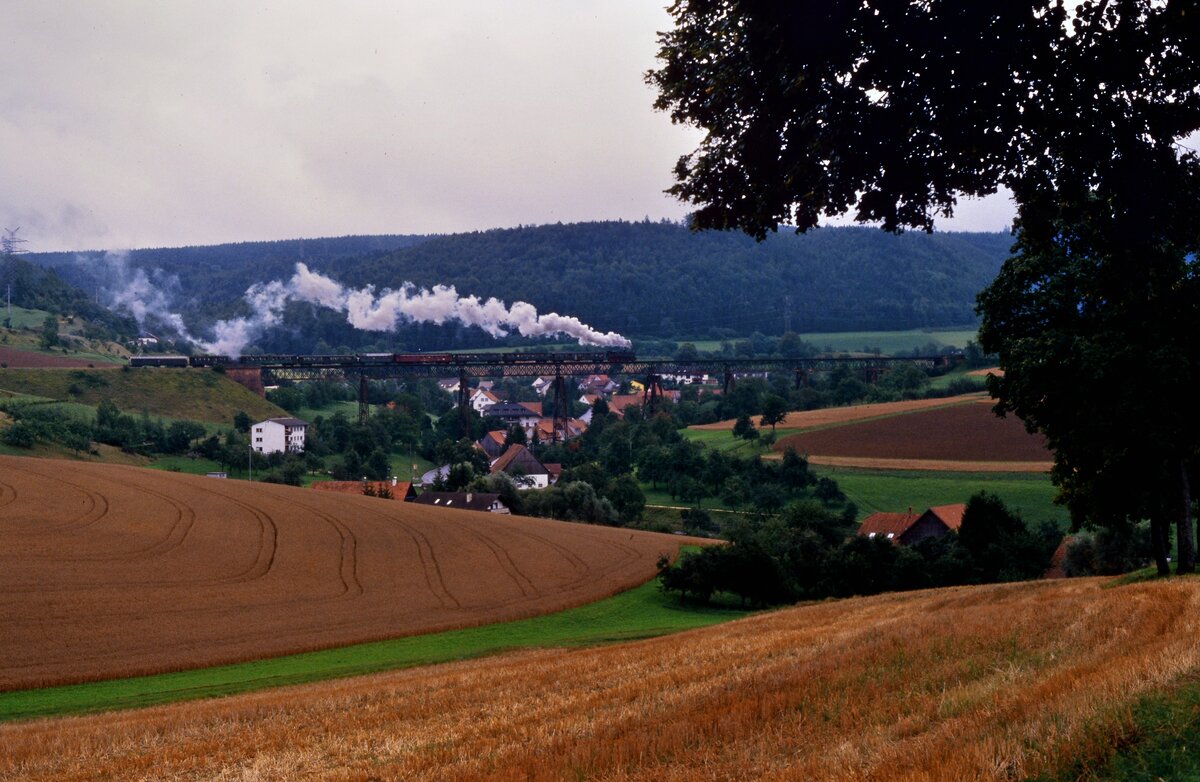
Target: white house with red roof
(481, 399)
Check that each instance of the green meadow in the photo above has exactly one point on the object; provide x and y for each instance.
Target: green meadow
(642, 612)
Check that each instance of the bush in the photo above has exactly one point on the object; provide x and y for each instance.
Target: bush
(20, 434)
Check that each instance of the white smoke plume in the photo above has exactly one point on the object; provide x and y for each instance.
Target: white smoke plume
(370, 311)
(130, 289)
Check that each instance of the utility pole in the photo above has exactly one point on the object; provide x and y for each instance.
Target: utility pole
(250, 461)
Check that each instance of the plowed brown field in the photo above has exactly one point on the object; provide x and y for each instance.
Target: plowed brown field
(13, 357)
(974, 683)
(829, 416)
(110, 571)
(958, 433)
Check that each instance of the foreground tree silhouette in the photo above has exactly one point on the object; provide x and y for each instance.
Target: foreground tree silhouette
(893, 110)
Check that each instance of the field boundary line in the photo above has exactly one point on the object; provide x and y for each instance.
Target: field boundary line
(923, 465)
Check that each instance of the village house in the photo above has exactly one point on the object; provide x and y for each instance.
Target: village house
(395, 489)
(573, 427)
(597, 384)
(513, 414)
(462, 500)
(431, 477)
(542, 384)
(519, 463)
(276, 435)
(620, 402)
(481, 399)
(688, 379)
(492, 443)
(906, 529)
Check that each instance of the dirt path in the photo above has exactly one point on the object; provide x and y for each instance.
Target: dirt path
(924, 465)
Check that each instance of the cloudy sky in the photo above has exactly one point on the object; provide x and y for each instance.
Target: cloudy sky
(138, 124)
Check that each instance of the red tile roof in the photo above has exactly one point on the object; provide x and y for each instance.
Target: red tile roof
(399, 492)
(888, 525)
(523, 457)
(621, 401)
(534, 406)
(950, 515)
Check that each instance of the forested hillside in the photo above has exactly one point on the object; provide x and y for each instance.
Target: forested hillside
(23, 284)
(659, 279)
(641, 279)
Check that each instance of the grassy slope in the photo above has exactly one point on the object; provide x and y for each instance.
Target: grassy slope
(643, 612)
(194, 394)
(25, 334)
(22, 318)
(724, 441)
(1031, 494)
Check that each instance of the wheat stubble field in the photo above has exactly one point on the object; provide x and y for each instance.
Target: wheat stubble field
(974, 683)
(110, 571)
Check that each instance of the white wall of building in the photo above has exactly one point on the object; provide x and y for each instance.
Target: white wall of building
(272, 437)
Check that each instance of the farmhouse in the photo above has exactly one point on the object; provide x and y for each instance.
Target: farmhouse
(524, 467)
(402, 491)
(488, 503)
(276, 435)
(908, 528)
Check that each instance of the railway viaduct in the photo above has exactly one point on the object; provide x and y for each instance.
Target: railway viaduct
(467, 366)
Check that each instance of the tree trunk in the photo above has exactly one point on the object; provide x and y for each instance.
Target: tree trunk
(1161, 543)
(1184, 533)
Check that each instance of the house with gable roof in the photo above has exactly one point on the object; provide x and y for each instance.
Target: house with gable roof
(520, 463)
(463, 500)
(513, 414)
(492, 443)
(905, 529)
(481, 399)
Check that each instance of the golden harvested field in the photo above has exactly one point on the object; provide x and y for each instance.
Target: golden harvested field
(110, 571)
(830, 416)
(972, 683)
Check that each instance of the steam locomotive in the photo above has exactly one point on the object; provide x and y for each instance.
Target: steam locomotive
(386, 359)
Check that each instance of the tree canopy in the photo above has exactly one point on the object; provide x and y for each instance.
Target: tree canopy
(894, 110)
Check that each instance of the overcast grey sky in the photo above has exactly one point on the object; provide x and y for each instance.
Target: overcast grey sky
(137, 124)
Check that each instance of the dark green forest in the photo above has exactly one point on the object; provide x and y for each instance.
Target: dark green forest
(643, 279)
(24, 284)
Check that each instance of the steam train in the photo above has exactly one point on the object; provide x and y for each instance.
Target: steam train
(387, 359)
